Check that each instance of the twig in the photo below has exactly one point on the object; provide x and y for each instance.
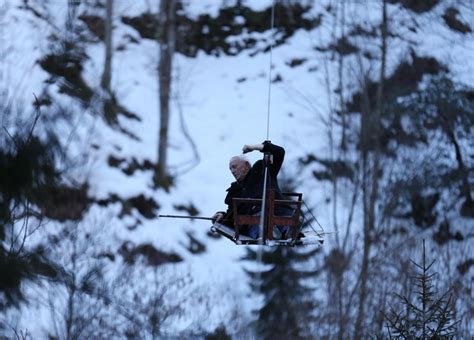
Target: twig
(38, 114)
(184, 129)
(11, 137)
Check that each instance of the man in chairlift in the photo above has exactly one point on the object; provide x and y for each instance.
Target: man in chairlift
(249, 184)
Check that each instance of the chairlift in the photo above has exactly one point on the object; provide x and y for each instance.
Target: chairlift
(270, 220)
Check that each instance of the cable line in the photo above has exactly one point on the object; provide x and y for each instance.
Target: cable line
(262, 211)
(265, 178)
(272, 40)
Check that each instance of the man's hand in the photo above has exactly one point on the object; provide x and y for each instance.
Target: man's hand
(217, 217)
(251, 147)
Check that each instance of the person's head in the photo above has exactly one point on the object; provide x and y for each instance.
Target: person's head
(239, 166)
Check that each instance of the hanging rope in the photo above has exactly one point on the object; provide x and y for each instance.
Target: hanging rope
(262, 212)
(264, 207)
(272, 40)
(265, 179)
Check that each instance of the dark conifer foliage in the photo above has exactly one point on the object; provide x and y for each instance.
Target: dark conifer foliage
(286, 283)
(429, 316)
(219, 333)
(384, 132)
(27, 166)
(288, 302)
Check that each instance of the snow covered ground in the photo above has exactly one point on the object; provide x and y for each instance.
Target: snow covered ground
(221, 113)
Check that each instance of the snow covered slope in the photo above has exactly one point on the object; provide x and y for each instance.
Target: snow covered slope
(223, 101)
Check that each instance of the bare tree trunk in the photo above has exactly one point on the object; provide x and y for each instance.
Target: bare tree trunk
(107, 74)
(340, 309)
(167, 46)
(341, 315)
(367, 227)
(71, 288)
(341, 81)
(370, 194)
(465, 187)
(70, 310)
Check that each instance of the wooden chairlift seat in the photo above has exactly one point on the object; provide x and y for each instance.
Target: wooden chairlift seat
(293, 222)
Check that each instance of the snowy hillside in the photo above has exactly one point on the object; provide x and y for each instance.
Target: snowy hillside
(55, 51)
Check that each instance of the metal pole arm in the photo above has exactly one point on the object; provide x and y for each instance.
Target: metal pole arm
(188, 217)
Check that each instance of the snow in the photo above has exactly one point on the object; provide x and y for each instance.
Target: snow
(221, 114)
(211, 7)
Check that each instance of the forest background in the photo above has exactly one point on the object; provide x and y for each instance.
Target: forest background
(115, 111)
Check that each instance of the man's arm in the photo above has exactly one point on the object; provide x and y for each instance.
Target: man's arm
(252, 147)
(225, 217)
(277, 151)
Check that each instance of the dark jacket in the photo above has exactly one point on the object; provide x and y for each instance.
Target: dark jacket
(252, 185)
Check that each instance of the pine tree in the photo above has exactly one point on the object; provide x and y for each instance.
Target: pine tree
(428, 317)
(27, 167)
(288, 303)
